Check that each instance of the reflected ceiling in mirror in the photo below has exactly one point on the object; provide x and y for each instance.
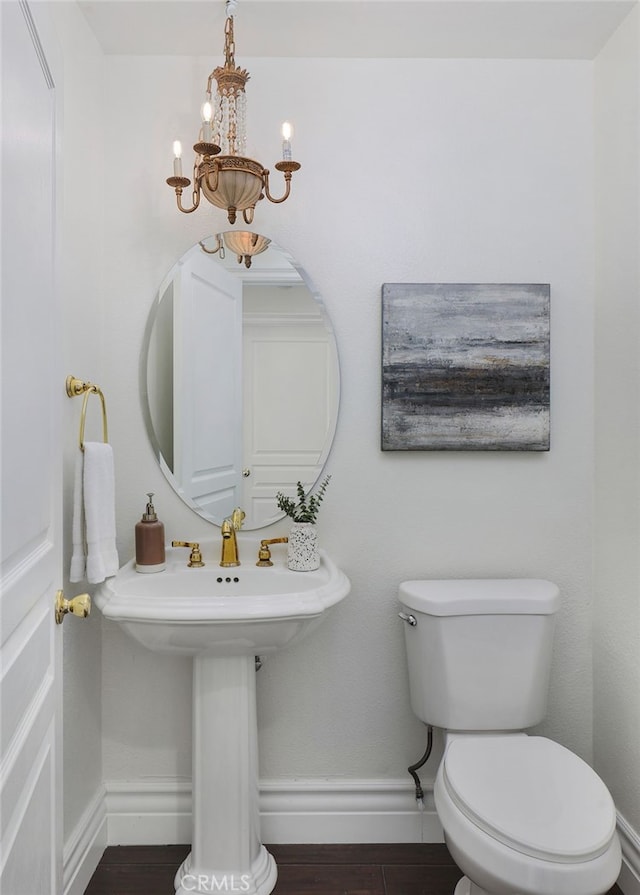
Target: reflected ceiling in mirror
(239, 378)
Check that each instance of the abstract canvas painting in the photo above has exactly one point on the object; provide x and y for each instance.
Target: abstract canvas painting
(465, 367)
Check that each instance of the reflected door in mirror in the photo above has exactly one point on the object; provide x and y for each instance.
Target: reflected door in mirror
(207, 389)
(290, 399)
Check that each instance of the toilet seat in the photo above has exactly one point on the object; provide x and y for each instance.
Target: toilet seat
(532, 795)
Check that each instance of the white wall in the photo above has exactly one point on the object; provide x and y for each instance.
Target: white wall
(81, 258)
(617, 401)
(413, 171)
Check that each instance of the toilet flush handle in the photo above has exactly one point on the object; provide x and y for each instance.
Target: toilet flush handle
(409, 619)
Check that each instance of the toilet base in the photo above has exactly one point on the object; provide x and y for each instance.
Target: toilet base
(466, 887)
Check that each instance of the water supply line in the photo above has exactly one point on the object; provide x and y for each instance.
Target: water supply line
(415, 767)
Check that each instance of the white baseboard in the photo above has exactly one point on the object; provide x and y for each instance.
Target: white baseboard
(152, 812)
(347, 811)
(629, 879)
(84, 847)
(155, 811)
(158, 812)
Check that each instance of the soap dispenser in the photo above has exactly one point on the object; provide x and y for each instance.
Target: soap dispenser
(150, 550)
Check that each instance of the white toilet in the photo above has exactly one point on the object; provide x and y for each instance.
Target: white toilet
(521, 814)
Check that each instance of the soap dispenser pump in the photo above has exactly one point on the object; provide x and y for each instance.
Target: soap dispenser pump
(150, 550)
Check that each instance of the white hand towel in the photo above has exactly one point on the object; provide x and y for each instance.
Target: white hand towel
(79, 555)
(96, 528)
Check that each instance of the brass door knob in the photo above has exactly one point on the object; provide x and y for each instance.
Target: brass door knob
(80, 606)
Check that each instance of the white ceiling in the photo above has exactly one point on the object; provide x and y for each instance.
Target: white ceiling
(539, 29)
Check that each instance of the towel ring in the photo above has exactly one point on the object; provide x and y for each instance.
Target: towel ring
(77, 387)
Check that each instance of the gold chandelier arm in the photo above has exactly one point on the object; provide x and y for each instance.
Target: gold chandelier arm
(195, 200)
(247, 214)
(287, 178)
(179, 184)
(287, 168)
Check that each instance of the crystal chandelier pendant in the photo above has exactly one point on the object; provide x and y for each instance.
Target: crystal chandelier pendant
(222, 172)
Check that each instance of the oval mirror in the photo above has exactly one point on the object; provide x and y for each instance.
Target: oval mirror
(239, 378)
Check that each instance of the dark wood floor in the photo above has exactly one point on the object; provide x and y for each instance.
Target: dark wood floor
(302, 870)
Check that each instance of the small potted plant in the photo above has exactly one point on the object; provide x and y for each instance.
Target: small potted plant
(302, 553)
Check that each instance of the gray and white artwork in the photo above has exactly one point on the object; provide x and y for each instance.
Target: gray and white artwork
(465, 367)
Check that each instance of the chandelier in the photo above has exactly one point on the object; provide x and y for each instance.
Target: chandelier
(244, 243)
(221, 170)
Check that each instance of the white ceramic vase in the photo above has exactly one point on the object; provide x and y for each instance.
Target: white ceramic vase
(302, 551)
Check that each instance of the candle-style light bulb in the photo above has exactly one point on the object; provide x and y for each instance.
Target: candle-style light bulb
(177, 161)
(206, 111)
(286, 141)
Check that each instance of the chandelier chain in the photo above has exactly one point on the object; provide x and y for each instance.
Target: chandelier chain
(229, 43)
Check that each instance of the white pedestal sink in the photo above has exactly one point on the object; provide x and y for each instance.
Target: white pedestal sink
(223, 618)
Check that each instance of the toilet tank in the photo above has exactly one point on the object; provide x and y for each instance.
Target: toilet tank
(479, 654)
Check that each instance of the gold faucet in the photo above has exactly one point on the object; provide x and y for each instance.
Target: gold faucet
(229, 542)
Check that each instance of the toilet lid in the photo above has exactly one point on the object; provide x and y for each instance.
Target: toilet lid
(531, 794)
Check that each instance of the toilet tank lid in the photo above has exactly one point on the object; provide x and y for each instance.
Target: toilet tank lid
(481, 596)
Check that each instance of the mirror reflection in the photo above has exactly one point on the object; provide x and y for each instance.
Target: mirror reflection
(239, 378)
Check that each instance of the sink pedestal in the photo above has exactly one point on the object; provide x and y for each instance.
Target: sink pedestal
(227, 855)
(223, 622)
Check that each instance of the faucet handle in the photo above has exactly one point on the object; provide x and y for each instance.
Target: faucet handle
(264, 554)
(195, 557)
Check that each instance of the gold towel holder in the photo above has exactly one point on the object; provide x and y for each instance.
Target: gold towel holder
(75, 388)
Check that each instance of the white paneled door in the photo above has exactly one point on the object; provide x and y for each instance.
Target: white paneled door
(30, 793)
